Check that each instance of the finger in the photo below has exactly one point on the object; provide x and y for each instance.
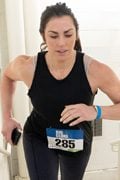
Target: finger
(67, 108)
(70, 114)
(8, 140)
(3, 133)
(77, 121)
(65, 116)
(7, 137)
(71, 106)
(68, 119)
(71, 118)
(19, 126)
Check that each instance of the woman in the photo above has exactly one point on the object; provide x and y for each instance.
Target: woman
(62, 83)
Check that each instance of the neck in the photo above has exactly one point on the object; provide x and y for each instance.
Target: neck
(56, 63)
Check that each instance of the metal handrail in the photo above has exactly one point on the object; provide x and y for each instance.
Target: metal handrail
(4, 151)
(115, 141)
(116, 148)
(115, 145)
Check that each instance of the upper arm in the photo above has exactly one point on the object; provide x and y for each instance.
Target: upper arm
(17, 69)
(106, 80)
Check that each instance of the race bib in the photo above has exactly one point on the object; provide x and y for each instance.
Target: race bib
(65, 139)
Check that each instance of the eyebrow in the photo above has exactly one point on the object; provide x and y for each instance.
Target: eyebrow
(64, 31)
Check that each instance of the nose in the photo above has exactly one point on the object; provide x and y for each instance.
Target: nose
(61, 41)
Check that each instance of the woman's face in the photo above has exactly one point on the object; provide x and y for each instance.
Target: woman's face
(60, 36)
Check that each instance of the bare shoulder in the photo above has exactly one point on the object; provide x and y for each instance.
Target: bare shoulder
(101, 72)
(104, 78)
(21, 61)
(20, 67)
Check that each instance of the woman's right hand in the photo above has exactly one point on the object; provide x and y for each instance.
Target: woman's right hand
(8, 127)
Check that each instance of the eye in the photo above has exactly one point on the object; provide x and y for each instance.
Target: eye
(68, 35)
(54, 37)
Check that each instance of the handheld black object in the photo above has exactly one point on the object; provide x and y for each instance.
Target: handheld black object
(15, 136)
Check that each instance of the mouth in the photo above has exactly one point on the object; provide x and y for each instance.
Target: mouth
(61, 51)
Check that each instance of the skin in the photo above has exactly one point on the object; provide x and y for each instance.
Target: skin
(60, 35)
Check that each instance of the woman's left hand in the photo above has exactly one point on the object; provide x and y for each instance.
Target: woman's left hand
(74, 114)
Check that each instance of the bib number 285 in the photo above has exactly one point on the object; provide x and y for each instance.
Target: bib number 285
(65, 143)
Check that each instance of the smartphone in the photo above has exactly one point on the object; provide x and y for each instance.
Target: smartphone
(16, 134)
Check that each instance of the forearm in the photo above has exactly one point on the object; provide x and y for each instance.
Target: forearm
(111, 112)
(7, 91)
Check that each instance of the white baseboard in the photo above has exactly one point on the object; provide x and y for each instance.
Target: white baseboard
(21, 178)
(107, 174)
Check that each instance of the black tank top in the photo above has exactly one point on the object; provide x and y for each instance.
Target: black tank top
(49, 96)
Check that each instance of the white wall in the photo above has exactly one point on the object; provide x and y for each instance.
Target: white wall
(3, 50)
